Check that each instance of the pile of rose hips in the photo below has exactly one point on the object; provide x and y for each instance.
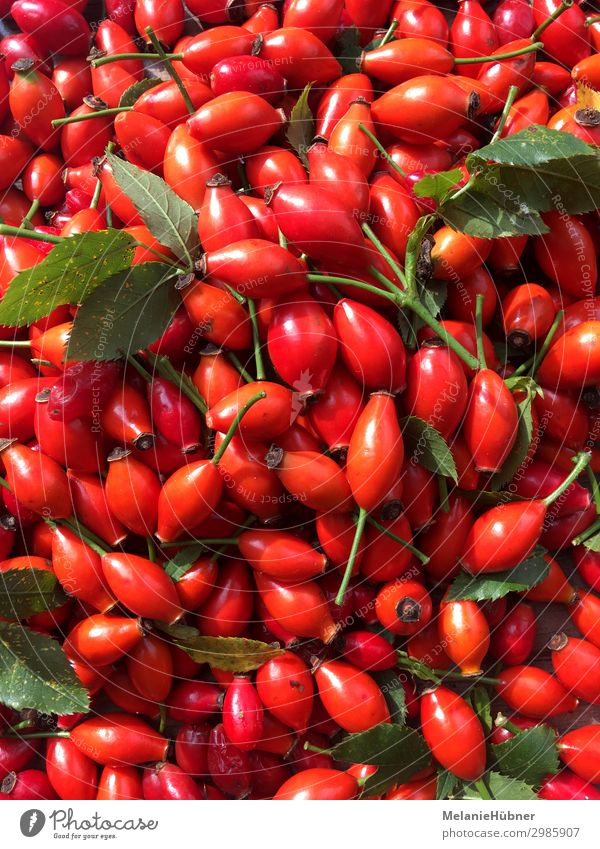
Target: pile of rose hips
(283, 451)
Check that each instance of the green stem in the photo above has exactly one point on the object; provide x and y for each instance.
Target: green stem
(235, 424)
(85, 535)
(163, 719)
(423, 313)
(595, 489)
(566, 4)
(593, 20)
(241, 171)
(547, 342)
(260, 368)
(169, 66)
(9, 343)
(139, 368)
(151, 549)
(13, 729)
(118, 57)
(481, 60)
(8, 230)
(581, 461)
(360, 527)
(382, 150)
(510, 99)
(443, 491)
(234, 359)
(88, 116)
(390, 33)
(419, 554)
(165, 368)
(388, 258)
(4, 483)
(589, 532)
(96, 195)
(483, 789)
(479, 330)
(44, 735)
(26, 222)
(346, 281)
(246, 524)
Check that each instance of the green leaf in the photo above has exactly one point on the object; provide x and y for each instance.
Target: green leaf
(474, 212)
(593, 543)
(131, 94)
(503, 788)
(433, 295)
(34, 673)
(127, 312)
(428, 446)
(482, 705)
(537, 145)
(70, 272)
(347, 49)
(170, 219)
(446, 784)
(24, 592)
(181, 562)
(232, 654)
(301, 126)
(393, 692)
(494, 585)
(412, 268)
(385, 745)
(529, 756)
(521, 447)
(437, 185)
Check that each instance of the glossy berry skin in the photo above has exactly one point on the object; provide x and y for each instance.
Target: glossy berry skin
(119, 783)
(334, 413)
(57, 26)
(512, 640)
(464, 631)
(72, 774)
(15, 754)
(436, 387)
(118, 739)
(534, 692)
(576, 664)
(318, 784)
(132, 492)
(316, 480)
(443, 541)
(237, 122)
(423, 109)
(490, 426)
(403, 607)
(243, 714)
(370, 346)
(248, 73)
(150, 667)
(527, 313)
(286, 689)
(266, 419)
(588, 566)
(552, 251)
(281, 554)
(191, 748)
(267, 269)
(350, 696)
(579, 750)
(227, 610)
(27, 784)
(567, 39)
(573, 360)
(376, 452)
(36, 480)
(302, 344)
(188, 497)
(101, 640)
(367, 651)
(229, 767)
(224, 218)
(193, 701)
(142, 586)
(503, 536)
(453, 733)
(568, 786)
(300, 608)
